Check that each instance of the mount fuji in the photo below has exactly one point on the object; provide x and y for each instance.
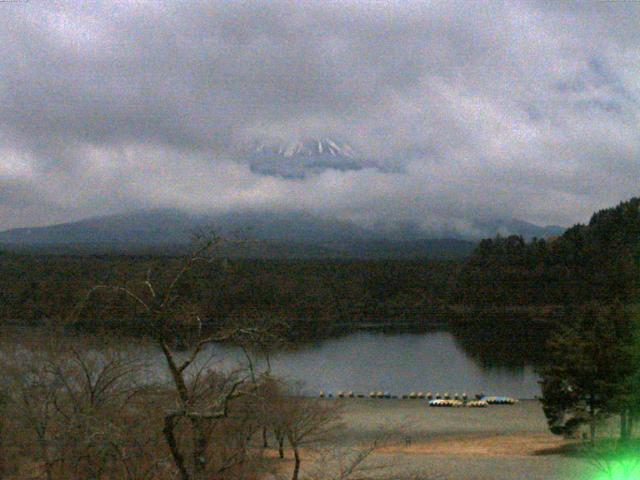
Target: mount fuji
(300, 159)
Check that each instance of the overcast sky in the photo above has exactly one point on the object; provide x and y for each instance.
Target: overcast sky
(515, 109)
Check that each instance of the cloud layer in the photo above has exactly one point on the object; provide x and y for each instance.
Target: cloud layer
(475, 110)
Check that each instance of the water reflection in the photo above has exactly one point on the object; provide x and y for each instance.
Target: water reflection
(399, 363)
(491, 359)
(503, 345)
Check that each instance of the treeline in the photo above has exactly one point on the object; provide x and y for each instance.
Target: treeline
(43, 287)
(598, 262)
(504, 276)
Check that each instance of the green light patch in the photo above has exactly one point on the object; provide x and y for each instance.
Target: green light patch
(623, 468)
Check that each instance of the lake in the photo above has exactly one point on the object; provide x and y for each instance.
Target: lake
(435, 361)
(488, 357)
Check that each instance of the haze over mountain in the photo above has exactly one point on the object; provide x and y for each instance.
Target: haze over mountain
(301, 233)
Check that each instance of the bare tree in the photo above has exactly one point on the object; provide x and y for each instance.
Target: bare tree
(267, 388)
(313, 424)
(76, 400)
(32, 395)
(307, 422)
(350, 463)
(274, 411)
(199, 397)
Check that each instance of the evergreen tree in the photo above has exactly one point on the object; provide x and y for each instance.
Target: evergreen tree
(587, 376)
(628, 402)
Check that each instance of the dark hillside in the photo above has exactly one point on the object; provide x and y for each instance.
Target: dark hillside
(599, 261)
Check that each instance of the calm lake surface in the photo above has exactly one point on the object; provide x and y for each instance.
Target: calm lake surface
(497, 359)
(439, 361)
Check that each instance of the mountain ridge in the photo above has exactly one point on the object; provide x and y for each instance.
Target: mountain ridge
(280, 233)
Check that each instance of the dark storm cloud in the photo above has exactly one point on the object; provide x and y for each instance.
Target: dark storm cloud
(473, 109)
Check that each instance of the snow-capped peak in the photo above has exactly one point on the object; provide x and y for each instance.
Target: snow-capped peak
(301, 158)
(308, 147)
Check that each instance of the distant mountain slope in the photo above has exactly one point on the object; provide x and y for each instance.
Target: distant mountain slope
(174, 226)
(288, 234)
(152, 227)
(293, 234)
(518, 227)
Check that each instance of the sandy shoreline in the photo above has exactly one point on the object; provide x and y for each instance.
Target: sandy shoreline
(497, 443)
